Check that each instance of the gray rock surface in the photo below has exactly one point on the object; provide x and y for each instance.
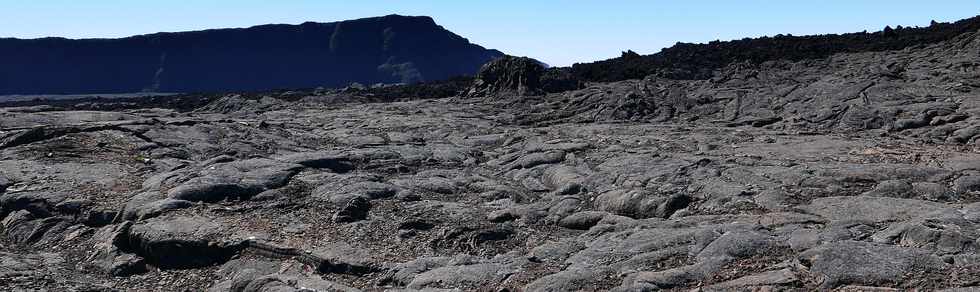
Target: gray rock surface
(853, 172)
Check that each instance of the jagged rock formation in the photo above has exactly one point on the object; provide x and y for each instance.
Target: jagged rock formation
(521, 76)
(390, 49)
(924, 92)
(699, 61)
(854, 172)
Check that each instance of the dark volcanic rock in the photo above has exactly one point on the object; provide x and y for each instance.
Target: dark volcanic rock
(559, 80)
(327, 160)
(355, 210)
(852, 262)
(234, 180)
(183, 242)
(698, 61)
(4, 184)
(390, 49)
(855, 172)
(520, 75)
(110, 258)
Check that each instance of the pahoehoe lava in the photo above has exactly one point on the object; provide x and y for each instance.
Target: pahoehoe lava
(848, 168)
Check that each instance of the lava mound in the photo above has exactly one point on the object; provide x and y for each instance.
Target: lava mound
(521, 76)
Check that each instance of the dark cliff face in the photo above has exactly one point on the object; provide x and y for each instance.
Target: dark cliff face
(390, 49)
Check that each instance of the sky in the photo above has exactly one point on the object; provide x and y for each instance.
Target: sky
(557, 32)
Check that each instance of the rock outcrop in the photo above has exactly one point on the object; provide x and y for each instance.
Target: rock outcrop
(686, 61)
(518, 75)
(521, 76)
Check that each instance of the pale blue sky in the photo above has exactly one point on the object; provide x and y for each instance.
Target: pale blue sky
(557, 32)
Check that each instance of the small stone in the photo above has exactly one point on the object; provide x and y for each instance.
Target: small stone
(355, 210)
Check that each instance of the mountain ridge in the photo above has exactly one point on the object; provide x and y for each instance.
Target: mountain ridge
(423, 17)
(386, 49)
(699, 60)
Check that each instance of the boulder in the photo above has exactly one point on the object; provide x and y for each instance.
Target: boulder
(355, 210)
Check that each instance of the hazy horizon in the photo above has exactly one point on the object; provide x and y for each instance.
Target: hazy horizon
(559, 33)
